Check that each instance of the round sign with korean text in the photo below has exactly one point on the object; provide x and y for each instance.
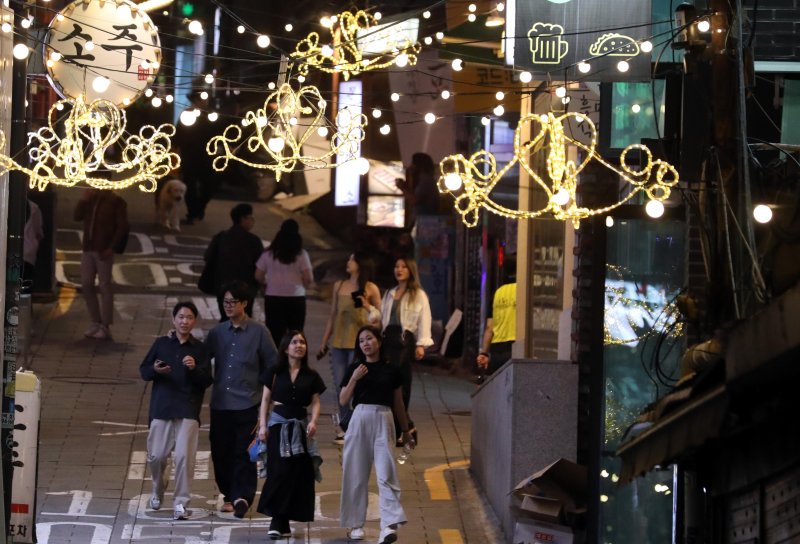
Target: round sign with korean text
(102, 49)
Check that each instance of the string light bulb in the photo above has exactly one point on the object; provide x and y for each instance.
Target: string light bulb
(385, 129)
(584, 67)
(654, 209)
(263, 41)
(426, 14)
(101, 84)
(499, 110)
(240, 29)
(376, 113)
(394, 97)
(289, 27)
(213, 116)
(762, 213)
(703, 25)
(20, 51)
(457, 65)
(646, 46)
(430, 118)
(623, 66)
(445, 94)
(499, 95)
(209, 78)
(525, 77)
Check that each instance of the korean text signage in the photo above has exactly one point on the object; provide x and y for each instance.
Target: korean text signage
(111, 39)
(551, 37)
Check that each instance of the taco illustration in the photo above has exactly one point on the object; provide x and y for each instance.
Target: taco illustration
(614, 45)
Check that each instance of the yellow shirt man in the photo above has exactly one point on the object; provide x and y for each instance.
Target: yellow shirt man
(501, 329)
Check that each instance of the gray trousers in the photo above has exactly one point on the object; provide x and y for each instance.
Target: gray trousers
(92, 265)
(165, 436)
(370, 439)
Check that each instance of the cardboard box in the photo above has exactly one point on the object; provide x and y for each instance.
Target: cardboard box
(563, 480)
(541, 508)
(541, 532)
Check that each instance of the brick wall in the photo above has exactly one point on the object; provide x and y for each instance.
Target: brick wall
(777, 23)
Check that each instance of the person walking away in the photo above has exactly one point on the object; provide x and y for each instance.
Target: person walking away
(406, 321)
(375, 388)
(356, 302)
(284, 269)
(500, 330)
(242, 350)
(33, 234)
(233, 253)
(290, 389)
(105, 224)
(180, 369)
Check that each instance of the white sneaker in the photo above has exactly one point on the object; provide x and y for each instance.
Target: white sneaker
(388, 535)
(155, 502)
(356, 533)
(180, 512)
(90, 332)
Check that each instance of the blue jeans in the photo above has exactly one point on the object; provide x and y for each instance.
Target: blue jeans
(340, 360)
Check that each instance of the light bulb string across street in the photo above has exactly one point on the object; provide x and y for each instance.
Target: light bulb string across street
(471, 180)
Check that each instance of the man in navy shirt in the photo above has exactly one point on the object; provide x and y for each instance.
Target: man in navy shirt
(180, 369)
(242, 349)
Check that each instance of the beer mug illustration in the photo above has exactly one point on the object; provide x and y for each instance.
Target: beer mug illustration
(547, 44)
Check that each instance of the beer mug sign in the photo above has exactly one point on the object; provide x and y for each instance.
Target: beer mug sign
(547, 44)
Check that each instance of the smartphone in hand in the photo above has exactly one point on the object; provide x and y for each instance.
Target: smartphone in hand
(357, 302)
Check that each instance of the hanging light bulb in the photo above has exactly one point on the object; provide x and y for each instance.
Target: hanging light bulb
(565, 100)
(156, 102)
(499, 95)
(385, 129)
(26, 23)
(188, 118)
(293, 121)
(584, 67)
(609, 221)
(457, 65)
(561, 92)
(376, 113)
(169, 98)
(445, 94)
(401, 60)
(148, 93)
(704, 25)
(440, 36)
(326, 50)
(261, 122)
(395, 97)
(426, 14)
(525, 77)
(21, 51)
(213, 116)
(101, 84)
(204, 95)
(361, 166)
(271, 85)
(55, 56)
(288, 27)
(485, 121)
(430, 118)
(301, 78)
(325, 22)
(472, 8)
(240, 29)
(654, 209)
(322, 132)
(499, 110)
(263, 41)
(6, 27)
(276, 144)
(471, 17)
(646, 46)
(762, 213)
(636, 108)
(378, 15)
(209, 79)
(196, 27)
(89, 46)
(452, 181)
(623, 66)
(561, 197)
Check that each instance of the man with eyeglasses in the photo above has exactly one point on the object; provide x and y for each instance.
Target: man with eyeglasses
(242, 349)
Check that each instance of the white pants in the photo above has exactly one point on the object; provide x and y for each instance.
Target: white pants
(370, 439)
(165, 436)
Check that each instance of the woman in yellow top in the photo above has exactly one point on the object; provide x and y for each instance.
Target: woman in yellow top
(356, 302)
(500, 330)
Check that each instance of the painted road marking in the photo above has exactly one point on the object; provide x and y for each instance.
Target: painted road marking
(450, 536)
(437, 485)
(138, 463)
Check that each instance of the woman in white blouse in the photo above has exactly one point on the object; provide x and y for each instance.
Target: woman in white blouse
(406, 321)
(284, 269)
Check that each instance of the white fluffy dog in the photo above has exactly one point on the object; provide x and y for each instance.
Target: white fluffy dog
(169, 204)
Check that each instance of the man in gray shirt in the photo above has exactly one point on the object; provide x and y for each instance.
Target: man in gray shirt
(242, 350)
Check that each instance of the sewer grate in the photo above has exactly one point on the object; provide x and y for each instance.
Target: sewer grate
(93, 380)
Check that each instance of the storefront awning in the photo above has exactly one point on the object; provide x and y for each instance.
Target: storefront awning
(683, 430)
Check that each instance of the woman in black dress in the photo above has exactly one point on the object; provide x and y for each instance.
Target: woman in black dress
(290, 388)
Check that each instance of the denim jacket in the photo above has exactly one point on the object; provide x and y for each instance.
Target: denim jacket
(292, 441)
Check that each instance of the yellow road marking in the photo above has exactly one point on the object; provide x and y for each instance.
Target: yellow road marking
(450, 536)
(434, 478)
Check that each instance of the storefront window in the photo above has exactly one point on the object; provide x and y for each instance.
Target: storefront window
(643, 334)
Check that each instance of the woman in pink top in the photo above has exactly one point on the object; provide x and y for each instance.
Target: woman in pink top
(284, 269)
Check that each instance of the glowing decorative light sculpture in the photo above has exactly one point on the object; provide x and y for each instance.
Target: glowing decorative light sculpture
(471, 180)
(79, 148)
(353, 39)
(278, 119)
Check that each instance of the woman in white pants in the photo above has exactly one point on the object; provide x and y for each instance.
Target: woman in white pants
(375, 388)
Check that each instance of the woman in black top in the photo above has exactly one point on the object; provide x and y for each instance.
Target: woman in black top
(290, 387)
(375, 388)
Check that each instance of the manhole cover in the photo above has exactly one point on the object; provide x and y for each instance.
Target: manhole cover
(93, 380)
(458, 413)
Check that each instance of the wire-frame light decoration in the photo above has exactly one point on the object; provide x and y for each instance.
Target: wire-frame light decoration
(88, 145)
(471, 180)
(349, 50)
(282, 127)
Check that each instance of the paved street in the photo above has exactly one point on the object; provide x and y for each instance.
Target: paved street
(93, 485)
